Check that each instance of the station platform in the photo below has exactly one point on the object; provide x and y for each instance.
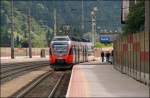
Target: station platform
(18, 59)
(96, 79)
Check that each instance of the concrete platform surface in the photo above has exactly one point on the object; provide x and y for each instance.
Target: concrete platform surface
(95, 79)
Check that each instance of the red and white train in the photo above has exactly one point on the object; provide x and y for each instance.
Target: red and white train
(65, 51)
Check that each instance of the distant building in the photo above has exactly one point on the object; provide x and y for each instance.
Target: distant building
(128, 4)
(147, 16)
(125, 7)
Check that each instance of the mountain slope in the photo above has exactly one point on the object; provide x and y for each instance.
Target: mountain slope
(42, 18)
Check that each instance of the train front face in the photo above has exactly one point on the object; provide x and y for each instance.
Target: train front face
(60, 54)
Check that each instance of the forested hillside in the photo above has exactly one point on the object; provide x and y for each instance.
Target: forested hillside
(39, 29)
(68, 12)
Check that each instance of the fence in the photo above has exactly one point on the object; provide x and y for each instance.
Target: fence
(6, 51)
(131, 56)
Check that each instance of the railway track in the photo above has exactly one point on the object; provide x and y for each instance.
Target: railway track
(9, 72)
(44, 86)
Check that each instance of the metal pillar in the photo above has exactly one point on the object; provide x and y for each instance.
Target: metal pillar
(12, 31)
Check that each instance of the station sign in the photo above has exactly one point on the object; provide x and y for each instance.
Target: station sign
(104, 39)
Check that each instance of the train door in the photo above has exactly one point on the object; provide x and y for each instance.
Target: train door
(78, 54)
(83, 54)
(86, 53)
(74, 55)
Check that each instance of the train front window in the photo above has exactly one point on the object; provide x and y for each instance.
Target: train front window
(60, 49)
(60, 39)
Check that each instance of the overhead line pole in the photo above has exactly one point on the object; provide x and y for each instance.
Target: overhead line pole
(93, 14)
(29, 30)
(55, 23)
(82, 25)
(93, 28)
(12, 31)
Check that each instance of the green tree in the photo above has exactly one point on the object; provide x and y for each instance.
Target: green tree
(136, 17)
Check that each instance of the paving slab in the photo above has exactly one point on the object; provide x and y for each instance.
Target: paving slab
(95, 79)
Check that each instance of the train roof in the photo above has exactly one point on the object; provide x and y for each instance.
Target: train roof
(67, 38)
(79, 39)
(61, 38)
